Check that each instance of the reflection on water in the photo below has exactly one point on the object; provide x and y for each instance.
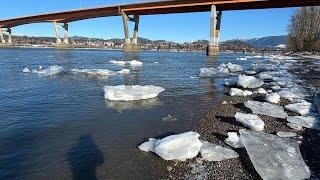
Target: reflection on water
(42, 118)
(131, 105)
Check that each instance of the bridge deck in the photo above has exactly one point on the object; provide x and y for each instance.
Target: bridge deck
(160, 7)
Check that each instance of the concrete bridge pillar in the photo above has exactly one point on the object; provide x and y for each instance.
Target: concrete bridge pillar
(59, 43)
(128, 45)
(9, 36)
(2, 40)
(215, 23)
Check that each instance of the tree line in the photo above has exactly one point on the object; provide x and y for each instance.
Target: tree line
(304, 30)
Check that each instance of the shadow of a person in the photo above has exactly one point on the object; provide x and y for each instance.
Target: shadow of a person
(84, 158)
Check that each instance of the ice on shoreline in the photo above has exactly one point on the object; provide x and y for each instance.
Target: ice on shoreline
(213, 152)
(239, 92)
(267, 109)
(131, 93)
(273, 98)
(304, 121)
(148, 145)
(250, 120)
(233, 140)
(249, 82)
(303, 107)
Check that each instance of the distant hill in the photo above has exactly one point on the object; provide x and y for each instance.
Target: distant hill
(267, 42)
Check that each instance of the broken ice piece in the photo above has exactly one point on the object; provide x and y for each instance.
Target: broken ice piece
(213, 152)
(249, 82)
(148, 145)
(250, 120)
(302, 108)
(239, 92)
(273, 98)
(286, 134)
(233, 140)
(265, 108)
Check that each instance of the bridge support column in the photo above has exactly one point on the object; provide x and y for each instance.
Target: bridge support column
(65, 43)
(128, 45)
(215, 23)
(3, 42)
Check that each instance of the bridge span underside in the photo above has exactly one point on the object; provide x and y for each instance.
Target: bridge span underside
(132, 12)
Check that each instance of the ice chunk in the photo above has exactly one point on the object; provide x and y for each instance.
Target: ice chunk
(242, 58)
(131, 93)
(249, 81)
(250, 120)
(26, 70)
(169, 118)
(273, 98)
(121, 63)
(130, 105)
(302, 107)
(261, 91)
(289, 94)
(40, 67)
(213, 152)
(274, 157)
(265, 76)
(135, 63)
(179, 147)
(276, 88)
(148, 145)
(124, 71)
(234, 67)
(233, 140)
(93, 72)
(52, 70)
(286, 134)
(294, 126)
(251, 72)
(239, 92)
(207, 72)
(307, 121)
(265, 108)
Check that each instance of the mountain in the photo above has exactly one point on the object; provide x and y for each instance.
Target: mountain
(267, 42)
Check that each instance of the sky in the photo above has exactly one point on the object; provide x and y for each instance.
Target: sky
(185, 27)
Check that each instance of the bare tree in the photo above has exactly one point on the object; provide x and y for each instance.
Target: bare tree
(304, 30)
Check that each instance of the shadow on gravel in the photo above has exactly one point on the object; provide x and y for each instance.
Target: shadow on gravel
(242, 107)
(246, 163)
(229, 120)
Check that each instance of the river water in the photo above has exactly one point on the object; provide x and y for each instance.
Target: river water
(61, 127)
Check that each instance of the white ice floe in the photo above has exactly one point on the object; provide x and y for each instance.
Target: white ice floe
(265, 108)
(250, 120)
(93, 72)
(239, 92)
(169, 118)
(286, 134)
(233, 140)
(289, 94)
(234, 67)
(52, 70)
(131, 93)
(242, 58)
(179, 147)
(294, 126)
(261, 91)
(213, 152)
(148, 145)
(207, 72)
(305, 121)
(131, 63)
(249, 81)
(274, 157)
(26, 70)
(265, 76)
(130, 105)
(302, 107)
(124, 71)
(273, 98)
(251, 72)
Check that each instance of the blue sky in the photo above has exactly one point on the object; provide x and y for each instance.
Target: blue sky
(174, 27)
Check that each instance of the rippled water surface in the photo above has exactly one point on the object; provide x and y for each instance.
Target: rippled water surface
(61, 127)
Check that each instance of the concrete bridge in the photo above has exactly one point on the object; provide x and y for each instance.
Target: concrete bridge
(132, 12)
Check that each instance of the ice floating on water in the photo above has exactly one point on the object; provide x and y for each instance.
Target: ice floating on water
(179, 147)
(249, 82)
(265, 108)
(124, 71)
(234, 67)
(130, 105)
(302, 108)
(286, 134)
(169, 118)
(131, 63)
(93, 72)
(26, 70)
(148, 145)
(207, 72)
(276, 88)
(265, 76)
(131, 93)
(250, 120)
(233, 140)
(274, 157)
(239, 92)
(251, 72)
(213, 152)
(242, 58)
(273, 98)
(52, 70)
(305, 121)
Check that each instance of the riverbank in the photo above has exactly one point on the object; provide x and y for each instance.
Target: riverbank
(220, 120)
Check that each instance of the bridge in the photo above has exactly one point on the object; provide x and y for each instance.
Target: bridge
(132, 12)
